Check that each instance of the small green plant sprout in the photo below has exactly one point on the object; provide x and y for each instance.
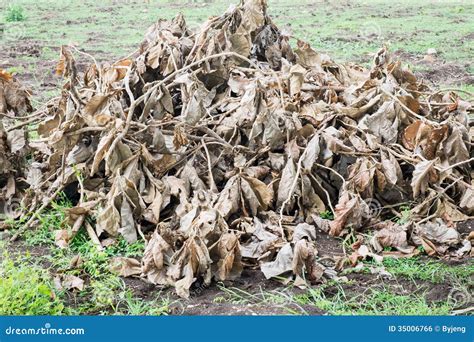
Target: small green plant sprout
(15, 13)
(406, 215)
(328, 215)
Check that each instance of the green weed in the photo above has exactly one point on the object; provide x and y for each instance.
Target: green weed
(128, 304)
(15, 14)
(379, 301)
(405, 215)
(123, 248)
(427, 270)
(328, 215)
(48, 221)
(26, 289)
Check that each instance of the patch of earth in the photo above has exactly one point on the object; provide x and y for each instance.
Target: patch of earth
(19, 249)
(363, 282)
(437, 70)
(468, 37)
(25, 56)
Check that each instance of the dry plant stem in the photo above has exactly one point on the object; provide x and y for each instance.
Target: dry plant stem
(310, 87)
(411, 160)
(425, 219)
(463, 311)
(206, 130)
(458, 90)
(257, 155)
(32, 219)
(93, 236)
(280, 88)
(63, 165)
(208, 140)
(432, 198)
(457, 164)
(134, 102)
(403, 105)
(76, 226)
(77, 132)
(173, 59)
(202, 34)
(34, 115)
(389, 207)
(437, 103)
(38, 112)
(81, 185)
(87, 129)
(20, 125)
(93, 59)
(140, 232)
(212, 184)
(335, 172)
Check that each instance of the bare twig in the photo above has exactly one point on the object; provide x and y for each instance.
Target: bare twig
(35, 215)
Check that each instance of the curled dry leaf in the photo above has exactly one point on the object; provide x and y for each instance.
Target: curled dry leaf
(438, 232)
(126, 267)
(423, 175)
(391, 235)
(70, 282)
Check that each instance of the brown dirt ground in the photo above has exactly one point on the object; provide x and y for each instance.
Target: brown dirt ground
(437, 71)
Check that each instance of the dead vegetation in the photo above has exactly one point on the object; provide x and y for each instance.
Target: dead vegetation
(221, 148)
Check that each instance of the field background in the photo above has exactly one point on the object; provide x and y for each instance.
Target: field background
(347, 31)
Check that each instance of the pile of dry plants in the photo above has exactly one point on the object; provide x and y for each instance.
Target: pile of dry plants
(222, 147)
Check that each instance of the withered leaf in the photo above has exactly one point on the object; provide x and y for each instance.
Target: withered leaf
(421, 177)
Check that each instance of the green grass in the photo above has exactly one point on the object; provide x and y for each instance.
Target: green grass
(48, 221)
(379, 300)
(26, 289)
(130, 305)
(283, 299)
(328, 215)
(405, 212)
(105, 292)
(123, 248)
(26, 286)
(374, 301)
(427, 270)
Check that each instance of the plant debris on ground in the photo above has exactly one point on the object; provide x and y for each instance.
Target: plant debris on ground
(233, 147)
